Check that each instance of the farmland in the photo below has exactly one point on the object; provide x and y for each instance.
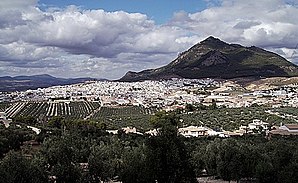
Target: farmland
(113, 117)
(231, 118)
(69, 110)
(4, 106)
(116, 117)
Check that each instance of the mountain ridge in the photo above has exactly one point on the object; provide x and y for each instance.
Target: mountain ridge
(213, 58)
(21, 83)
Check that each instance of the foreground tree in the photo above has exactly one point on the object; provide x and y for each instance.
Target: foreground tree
(134, 166)
(104, 161)
(16, 168)
(62, 158)
(168, 158)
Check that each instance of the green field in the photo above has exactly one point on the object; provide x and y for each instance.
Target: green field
(118, 117)
(139, 117)
(4, 106)
(231, 118)
(71, 110)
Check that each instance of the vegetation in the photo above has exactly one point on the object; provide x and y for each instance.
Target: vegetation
(4, 106)
(82, 151)
(38, 113)
(230, 118)
(71, 110)
(118, 117)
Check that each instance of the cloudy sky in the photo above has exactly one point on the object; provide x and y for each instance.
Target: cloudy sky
(107, 38)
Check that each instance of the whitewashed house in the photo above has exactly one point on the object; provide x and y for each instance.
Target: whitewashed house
(193, 131)
(257, 124)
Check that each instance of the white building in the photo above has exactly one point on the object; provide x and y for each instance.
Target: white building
(125, 130)
(193, 131)
(257, 124)
(152, 132)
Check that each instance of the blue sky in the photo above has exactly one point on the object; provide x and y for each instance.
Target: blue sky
(107, 38)
(160, 11)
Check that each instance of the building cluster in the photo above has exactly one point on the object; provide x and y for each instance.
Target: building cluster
(147, 93)
(167, 94)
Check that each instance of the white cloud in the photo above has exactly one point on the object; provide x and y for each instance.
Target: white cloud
(74, 42)
(261, 23)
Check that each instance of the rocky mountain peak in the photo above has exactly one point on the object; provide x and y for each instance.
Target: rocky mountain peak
(213, 58)
(214, 43)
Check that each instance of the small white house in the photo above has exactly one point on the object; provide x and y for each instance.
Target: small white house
(256, 124)
(125, 130)
(152, 132)
(193, 131)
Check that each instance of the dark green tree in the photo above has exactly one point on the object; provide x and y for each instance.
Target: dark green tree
(210, 156)
(28, 120)
(104, 161)
(168, 158)
(230, 160)
(62, 158)
(56, 122)
(15, 168)
(134, 166)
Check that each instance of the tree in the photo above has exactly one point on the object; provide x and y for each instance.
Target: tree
(265, 170)
(210, 156)
(16, 168)
(165, 123)
(230, 160)
(28, 120)
(56, 122)
(13, 137)
(189, 107)
(168, 158)
(134, 166)
(62, 157)
(104, 161)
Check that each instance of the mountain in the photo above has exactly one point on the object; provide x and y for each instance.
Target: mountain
(213, 58)
(21, 83)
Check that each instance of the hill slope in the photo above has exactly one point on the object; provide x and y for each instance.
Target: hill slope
(20, 83)
(213, 58)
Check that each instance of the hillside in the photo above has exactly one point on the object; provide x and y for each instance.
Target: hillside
(20, 83)
(213, 58)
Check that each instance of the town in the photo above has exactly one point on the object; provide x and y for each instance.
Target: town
(91, 97)
(166, 94)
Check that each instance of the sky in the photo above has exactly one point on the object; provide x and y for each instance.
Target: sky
(107, 38)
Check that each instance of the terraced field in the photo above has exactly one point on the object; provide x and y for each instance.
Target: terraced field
(69, 110)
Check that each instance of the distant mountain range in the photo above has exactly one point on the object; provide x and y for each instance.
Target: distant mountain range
(21, 83)
(213, 58)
